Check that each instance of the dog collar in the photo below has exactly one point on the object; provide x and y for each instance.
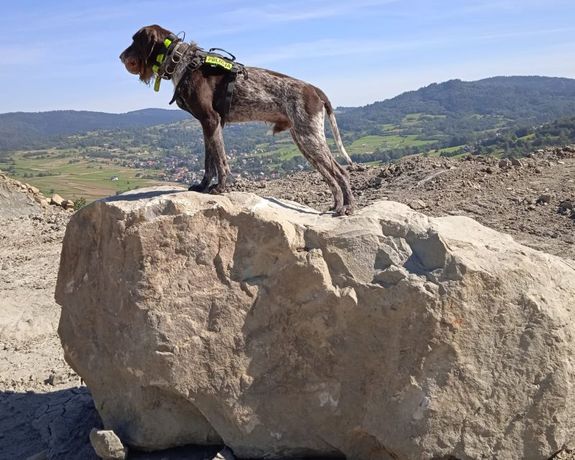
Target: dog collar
(169, 43)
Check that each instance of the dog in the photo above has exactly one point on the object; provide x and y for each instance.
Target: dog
(256, 95)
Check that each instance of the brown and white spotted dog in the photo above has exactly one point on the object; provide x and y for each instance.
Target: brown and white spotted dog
(259, 95)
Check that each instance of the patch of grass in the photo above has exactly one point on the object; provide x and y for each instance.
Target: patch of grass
(369, 144)
(69, 175)
(438, 152)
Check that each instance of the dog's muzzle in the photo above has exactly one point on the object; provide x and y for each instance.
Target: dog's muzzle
(132, 64)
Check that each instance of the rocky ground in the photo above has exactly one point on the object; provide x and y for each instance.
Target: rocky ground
(531, 198)
(45, 410)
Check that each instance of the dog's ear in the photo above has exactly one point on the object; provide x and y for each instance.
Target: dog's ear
(145, 39)
(150, 37)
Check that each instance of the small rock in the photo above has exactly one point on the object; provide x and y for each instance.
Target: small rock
(56, 200)
(565, 207)
(390, 276)
(356, 167)
(56, 378)
(68, 204)
(417, 205)
(504, 163)
(544, 199)
(107, 444)
(32, 189)
(224, 454)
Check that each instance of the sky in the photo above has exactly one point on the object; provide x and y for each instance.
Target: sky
(61, 55)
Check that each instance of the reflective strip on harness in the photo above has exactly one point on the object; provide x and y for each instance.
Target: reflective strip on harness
(218, 61)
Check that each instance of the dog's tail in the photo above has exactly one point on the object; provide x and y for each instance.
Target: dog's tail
(333, 124)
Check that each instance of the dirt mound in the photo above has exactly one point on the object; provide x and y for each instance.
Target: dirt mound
(17, 199)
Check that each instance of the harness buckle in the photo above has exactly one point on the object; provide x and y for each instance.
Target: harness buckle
(172, 62)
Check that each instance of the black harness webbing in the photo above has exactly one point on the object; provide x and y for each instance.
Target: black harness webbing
(216, 63)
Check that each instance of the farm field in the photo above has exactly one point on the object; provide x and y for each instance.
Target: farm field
(68, 174)
(368, 144)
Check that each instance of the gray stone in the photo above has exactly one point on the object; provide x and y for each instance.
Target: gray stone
(278, 331)
(107, 444)
(417, 204)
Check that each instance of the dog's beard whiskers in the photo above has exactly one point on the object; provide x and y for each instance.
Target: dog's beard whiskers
(146, 75)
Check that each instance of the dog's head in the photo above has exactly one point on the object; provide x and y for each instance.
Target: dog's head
(139, 56)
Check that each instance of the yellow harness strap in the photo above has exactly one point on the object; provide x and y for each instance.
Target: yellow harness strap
(156, 67)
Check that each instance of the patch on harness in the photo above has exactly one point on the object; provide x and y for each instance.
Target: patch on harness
(217, 61)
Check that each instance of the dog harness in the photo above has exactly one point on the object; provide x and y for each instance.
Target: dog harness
(162, 67)
(212, 63)
(167, 60)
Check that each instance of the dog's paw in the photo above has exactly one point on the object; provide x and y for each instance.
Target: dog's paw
(197, 188)
(217, 189)
(345, 210)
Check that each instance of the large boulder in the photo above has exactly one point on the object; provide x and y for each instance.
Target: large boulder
(281, 331)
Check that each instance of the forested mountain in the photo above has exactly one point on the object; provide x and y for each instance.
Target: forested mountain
(439, 116)
(525, 99)
(23, 129)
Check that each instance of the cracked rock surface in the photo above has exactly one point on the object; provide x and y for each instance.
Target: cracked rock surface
(281, 331)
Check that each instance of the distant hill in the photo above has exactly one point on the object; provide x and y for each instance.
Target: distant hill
(452, 115)
(516, 98)
(522, 141)
(22, 129)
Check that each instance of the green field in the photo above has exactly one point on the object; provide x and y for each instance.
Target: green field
(285, 149)
(66, 173)
(368, 144)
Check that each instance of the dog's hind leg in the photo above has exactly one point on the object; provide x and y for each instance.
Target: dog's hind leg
(310, 138)
(333, 124)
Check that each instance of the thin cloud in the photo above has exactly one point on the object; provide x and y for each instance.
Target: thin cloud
(335, 47)
(261, 17)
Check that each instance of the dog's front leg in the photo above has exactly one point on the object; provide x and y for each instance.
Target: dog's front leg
(215, 152)
(209, 174)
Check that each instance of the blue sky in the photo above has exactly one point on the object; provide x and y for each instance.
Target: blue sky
(64, 54)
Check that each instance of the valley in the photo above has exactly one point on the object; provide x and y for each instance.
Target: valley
(90, 155)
